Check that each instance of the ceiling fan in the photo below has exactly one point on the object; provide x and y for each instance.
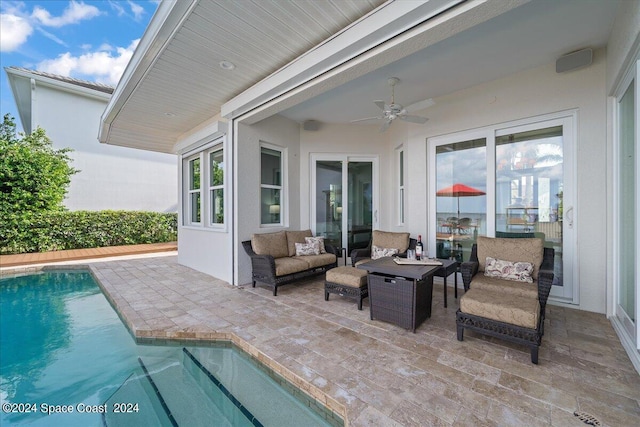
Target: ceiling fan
(393, 111)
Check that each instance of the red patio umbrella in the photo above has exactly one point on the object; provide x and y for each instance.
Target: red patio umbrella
(459, 190)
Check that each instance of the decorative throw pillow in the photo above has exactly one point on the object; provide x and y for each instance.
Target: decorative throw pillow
(318, 241)
(305, 249)
(516, 271)
(377, 252)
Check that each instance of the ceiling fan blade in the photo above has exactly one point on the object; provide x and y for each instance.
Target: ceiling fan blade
(365, 119)
(421, 105)
(381, 104)
(414, 119)
(385, 125)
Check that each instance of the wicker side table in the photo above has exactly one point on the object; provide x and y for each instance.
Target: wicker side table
(400, 294)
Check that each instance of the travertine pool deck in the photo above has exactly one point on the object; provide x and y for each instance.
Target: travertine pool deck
(377, 374)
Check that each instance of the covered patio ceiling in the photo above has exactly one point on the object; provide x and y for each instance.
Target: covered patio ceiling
(328, 61)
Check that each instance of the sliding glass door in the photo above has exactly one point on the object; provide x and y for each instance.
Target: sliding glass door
(627, 232)
(344, 208)
(509, 181)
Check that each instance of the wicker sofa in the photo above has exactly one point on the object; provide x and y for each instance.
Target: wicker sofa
(506, 308)
(384, 239)
(274, 261)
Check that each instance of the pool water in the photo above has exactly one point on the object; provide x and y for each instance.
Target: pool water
(63, 349)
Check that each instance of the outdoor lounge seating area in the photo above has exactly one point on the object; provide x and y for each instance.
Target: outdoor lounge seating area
(376, 373)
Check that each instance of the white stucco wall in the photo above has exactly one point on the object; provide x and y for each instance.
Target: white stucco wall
(277, 131)
(625, 35)
(111, 177)
(206, 250)
(202, 247)
(527, 94)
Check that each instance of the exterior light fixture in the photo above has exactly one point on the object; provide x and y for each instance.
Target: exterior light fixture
(227, 65)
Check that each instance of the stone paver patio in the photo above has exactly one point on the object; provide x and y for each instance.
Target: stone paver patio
(377, 374)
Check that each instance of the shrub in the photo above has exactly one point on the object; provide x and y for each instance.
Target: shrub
(48, 231)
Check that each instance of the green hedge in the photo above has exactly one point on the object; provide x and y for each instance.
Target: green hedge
(52, 231)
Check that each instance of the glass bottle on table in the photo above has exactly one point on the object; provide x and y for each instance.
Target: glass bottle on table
(419, 248)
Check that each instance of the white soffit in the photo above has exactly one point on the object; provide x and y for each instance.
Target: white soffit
(382, 24)
(174, 81)
(398, 43)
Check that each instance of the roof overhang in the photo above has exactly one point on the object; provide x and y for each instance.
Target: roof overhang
(24, 83)
(385, 34)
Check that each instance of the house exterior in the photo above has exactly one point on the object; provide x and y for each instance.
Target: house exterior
(110, 178)
(266, 141)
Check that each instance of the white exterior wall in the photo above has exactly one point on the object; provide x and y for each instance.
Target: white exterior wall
(523, 95)
(277, 131)
(200, 247)
(111, 177)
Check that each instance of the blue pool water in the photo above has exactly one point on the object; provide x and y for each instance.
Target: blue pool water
(64, 350)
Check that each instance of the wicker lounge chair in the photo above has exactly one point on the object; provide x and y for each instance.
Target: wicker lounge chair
(506, 309)
(384, 239)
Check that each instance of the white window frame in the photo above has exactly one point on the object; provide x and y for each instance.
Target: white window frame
(211, 188)
(188, 191)
(401, 166)
(202, 153)
(282, 187)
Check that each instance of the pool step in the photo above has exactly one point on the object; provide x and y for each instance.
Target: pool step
(137, 404)
(202, 405)
(250, 384)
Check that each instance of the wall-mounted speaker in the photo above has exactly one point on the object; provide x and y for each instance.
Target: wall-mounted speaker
(574, 60)
(311, 125)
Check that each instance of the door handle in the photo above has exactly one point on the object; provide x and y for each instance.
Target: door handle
(568, 214)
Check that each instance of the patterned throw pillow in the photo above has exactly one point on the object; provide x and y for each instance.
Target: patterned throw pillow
(318, 241)
(305, 249)
(517, 271)
(377, 252)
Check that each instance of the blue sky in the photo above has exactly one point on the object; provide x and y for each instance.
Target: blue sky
(89, 40)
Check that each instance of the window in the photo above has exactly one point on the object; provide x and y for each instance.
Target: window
(195, 195)
(271, 188)
(203, 187)
(216, 186)
(400, 157)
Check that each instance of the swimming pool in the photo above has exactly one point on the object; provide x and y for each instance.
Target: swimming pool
(67, 359)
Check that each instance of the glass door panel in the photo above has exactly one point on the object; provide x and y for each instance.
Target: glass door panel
(461, 183)
(344, 204)
(628, 216)
(529, 188)
(328, 201)
(360, 212)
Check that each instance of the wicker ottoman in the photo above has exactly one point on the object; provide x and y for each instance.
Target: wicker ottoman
(348, 282)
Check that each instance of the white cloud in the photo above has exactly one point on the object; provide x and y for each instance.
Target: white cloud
(103, 66)
(137, 10)
(51, 36)
(119, 9)
(74, 13)
(14, 31)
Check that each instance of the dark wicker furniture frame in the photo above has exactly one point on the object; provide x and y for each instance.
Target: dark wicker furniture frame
(517, 334)
(346, 291)
(263, 268)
